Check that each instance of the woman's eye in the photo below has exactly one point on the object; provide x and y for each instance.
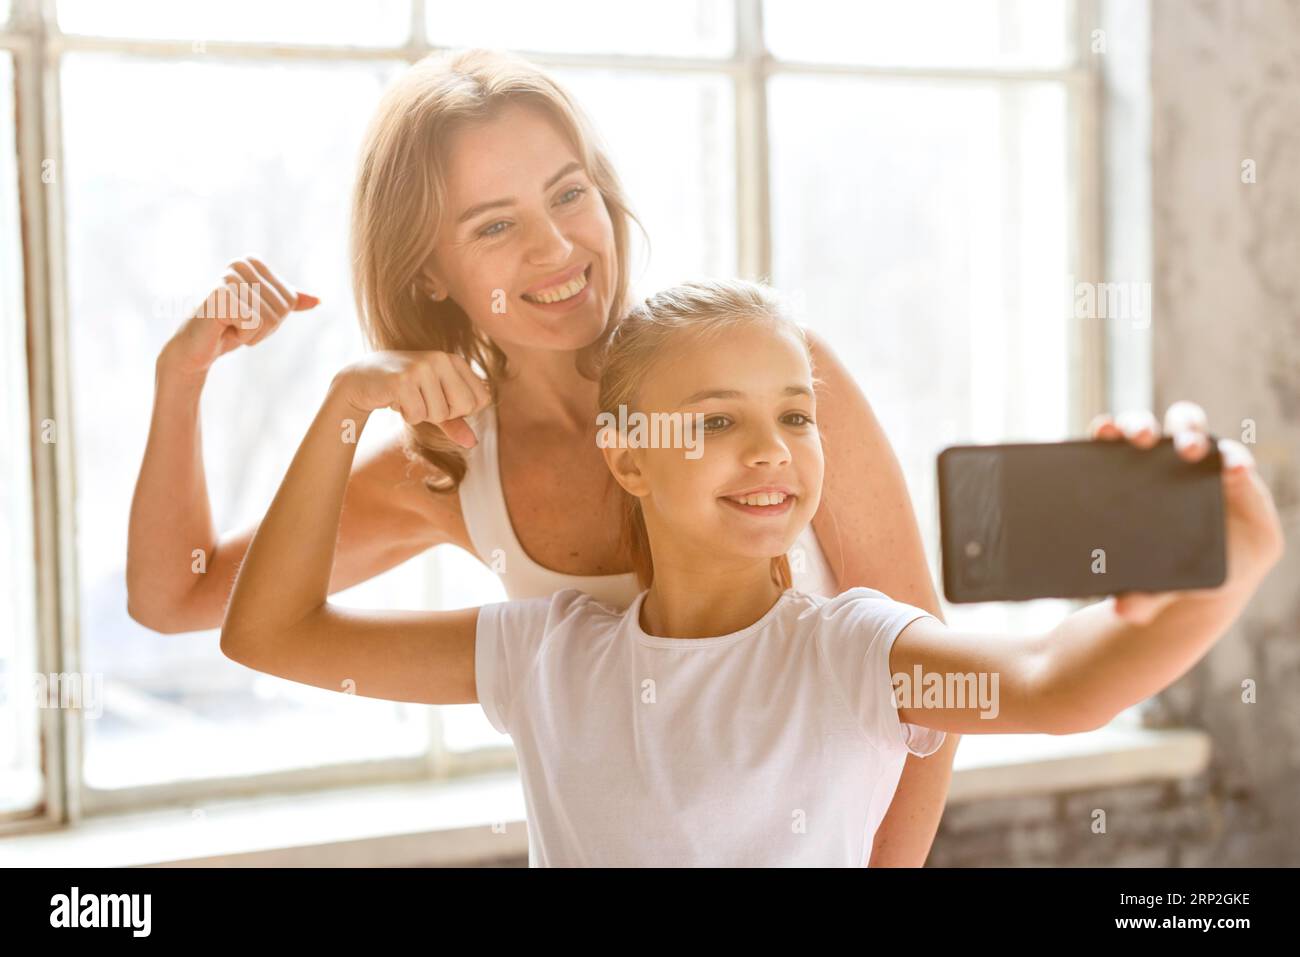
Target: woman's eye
(575, 192)
(714, 418)
(803, 419)
(492, 230)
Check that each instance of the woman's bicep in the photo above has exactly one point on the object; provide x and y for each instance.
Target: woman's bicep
(388, 516)
(866, 524)
(424, 657)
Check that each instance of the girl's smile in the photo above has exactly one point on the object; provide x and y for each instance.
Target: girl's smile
(764, 503)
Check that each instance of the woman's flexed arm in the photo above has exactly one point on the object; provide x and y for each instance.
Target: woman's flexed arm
(171, 542)
(279, 619)
(179, 571)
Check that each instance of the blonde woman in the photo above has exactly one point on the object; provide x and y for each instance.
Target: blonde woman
(490, 250)
(723, 718)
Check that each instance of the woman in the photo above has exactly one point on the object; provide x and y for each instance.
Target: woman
(490, 229)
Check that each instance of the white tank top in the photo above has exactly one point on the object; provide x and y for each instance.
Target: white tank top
(483, 507)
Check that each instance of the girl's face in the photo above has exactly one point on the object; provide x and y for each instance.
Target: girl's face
(753, 386)
(526, 245)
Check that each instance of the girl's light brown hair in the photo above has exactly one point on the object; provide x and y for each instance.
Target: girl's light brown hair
(653, 330)
(400, 198)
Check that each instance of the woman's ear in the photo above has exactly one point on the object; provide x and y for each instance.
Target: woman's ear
(430, 282)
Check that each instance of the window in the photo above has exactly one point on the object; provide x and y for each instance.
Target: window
(21, 782)
(911, 174)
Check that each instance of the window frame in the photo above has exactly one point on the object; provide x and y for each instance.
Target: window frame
(33, 38)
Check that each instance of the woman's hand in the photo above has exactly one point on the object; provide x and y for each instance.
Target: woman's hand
(1254, 532)
(248, 305)
(425, 386)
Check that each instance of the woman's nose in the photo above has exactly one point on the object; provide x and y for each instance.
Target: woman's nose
(548, 244)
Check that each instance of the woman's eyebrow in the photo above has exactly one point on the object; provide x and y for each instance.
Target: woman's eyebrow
(493, 204)
(734, 394)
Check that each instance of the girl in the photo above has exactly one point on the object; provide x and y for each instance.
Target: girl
(491, 234)
(724, 718)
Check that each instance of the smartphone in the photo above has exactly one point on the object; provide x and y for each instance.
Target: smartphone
(1078, 519)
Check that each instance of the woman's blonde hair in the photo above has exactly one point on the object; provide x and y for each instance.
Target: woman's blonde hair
(399, 201)
(649, 333)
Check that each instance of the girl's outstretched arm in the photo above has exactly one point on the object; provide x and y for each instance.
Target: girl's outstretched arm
(1112, 654)
(279, 619)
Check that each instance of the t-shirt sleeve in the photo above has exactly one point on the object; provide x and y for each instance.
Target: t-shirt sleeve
(506, 644)
(858, 630)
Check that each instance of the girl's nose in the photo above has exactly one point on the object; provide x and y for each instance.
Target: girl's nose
(767, 448)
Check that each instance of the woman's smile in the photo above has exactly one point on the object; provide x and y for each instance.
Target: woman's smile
(565, 296)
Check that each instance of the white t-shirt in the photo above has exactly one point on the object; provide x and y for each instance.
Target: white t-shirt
(777, 745)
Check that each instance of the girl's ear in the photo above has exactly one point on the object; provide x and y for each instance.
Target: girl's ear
(623, 466)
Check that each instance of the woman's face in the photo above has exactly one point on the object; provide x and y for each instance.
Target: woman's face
(752, 388)
(526, 246)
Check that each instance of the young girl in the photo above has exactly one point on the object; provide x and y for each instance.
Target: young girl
(724, 718)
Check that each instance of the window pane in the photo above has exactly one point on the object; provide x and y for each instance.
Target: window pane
(160, 197)
(922, 33)
(682, 179)
(663, 28)
(924, 229)
(375, 23)
(21, 782)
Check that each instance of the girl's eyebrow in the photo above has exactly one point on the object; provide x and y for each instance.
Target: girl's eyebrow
(703, 394)
(493, 204)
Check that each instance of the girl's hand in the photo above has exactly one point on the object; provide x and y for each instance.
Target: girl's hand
(248, 305)
(432, 386)
(1254, 531)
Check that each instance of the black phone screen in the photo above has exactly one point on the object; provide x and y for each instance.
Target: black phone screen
(1078, 519)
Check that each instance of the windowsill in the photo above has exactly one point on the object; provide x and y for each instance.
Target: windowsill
(451, 823)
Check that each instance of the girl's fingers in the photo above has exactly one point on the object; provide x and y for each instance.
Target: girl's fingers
(1103, 427)
(1184, 415)
(477, 385)
(1139, 427)
(435, 403)
(457, 392)
(411, 402)
(1237, 459)
(1186, 422)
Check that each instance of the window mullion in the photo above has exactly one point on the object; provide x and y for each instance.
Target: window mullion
(753, 199)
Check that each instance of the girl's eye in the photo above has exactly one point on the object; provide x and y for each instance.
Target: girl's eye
(714, 418)
(805, 420)
(575, 191)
